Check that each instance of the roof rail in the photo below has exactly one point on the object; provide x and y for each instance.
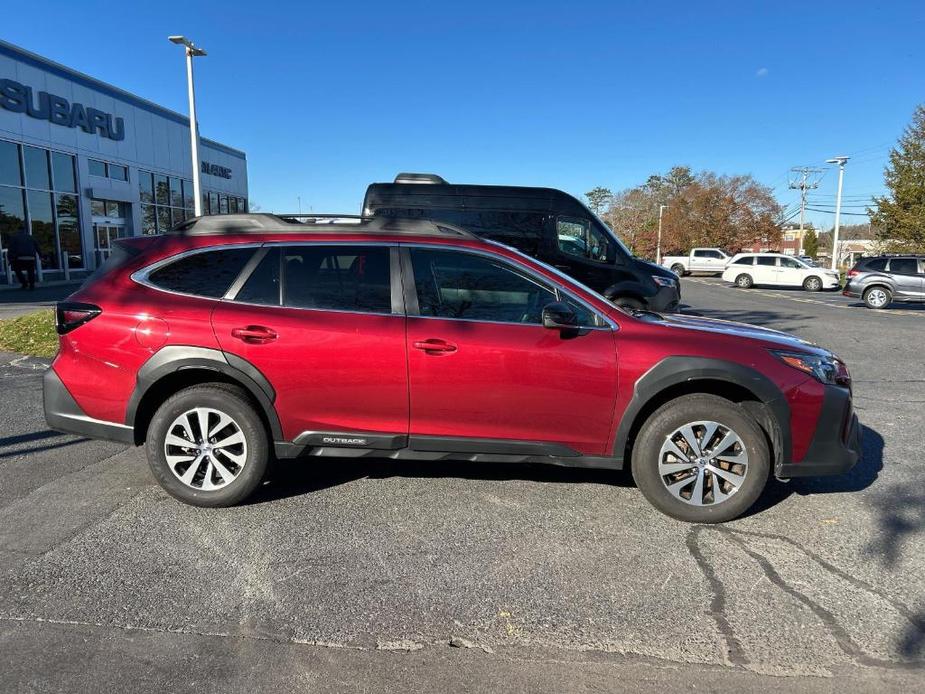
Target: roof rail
(428, 178)
(264, 223)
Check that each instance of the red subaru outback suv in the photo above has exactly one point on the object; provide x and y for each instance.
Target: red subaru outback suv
(237, 338)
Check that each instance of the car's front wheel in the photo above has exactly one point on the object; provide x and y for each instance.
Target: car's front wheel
(877, 297)
(701, 459)
(812, 284)
(207, 446)
(744, 281)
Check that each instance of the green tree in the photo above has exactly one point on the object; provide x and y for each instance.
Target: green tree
(810, 243)
(599, 198)
(900, 214)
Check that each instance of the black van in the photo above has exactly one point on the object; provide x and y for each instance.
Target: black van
(545, 223)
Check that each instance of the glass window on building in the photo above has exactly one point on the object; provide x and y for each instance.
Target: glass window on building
(213, 203)
(10, 173)
(161, 190)
(223, 204)
(69, 232)
(98, 207)
(232, 205)
(12, 213)
(148, 219)
(97, 168)
(114, 209)
(163, 219)
(42, 221)
(242, 205)
(205, 203)
(118, 172)
(35, 162)
(188, 196)
(62, 167)
(176, 193)
(146, 187)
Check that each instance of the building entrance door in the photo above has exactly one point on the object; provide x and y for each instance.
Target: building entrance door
(104, 234)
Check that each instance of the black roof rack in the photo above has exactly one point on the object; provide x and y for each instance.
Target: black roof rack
(264, 223)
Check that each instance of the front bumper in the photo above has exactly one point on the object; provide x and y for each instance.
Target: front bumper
(836, 446)
(666, 299)
(64, 414)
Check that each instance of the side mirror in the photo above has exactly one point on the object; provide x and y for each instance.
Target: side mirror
(559, 316)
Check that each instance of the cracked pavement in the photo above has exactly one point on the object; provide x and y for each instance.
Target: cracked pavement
(356, 575)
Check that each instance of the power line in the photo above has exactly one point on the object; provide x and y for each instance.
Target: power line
(853, 214)
(807, 178)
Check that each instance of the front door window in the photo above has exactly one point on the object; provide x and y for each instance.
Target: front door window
(576, 237)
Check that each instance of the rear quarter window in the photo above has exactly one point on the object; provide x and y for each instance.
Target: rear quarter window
(207, 273)
(875, 265)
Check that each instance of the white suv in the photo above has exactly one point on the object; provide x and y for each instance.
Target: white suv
(777, 269)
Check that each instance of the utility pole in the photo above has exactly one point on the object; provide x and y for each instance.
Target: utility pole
(807, 179)
(192, 51)
(841, 177)
(658, 243)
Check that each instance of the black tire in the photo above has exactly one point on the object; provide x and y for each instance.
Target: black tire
(744, 281)
(689, 409)
(628, 302)
(877, 297)
(226, 399)
(679, 270)
(812, 283)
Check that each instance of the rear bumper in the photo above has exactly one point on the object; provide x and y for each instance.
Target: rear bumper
(836, 447)
(64, 414)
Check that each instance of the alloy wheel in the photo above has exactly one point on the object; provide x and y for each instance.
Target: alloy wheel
(205, 448)
(703, 463)
(876, 297)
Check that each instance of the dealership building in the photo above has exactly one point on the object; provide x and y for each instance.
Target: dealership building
(83, 163)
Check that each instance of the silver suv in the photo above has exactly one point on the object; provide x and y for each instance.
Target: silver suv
(883, 279)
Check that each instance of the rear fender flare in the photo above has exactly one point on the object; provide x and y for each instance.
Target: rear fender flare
(171, 359)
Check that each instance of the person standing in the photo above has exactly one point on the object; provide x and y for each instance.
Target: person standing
(22, 251)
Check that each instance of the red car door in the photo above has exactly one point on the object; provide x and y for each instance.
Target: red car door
(481, 365)
(318, 321)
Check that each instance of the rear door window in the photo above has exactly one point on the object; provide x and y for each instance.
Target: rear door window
(206, 273)
(766, 261)
(904, 266)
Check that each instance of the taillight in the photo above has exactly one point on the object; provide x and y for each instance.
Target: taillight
(72, 314)
(853, 273)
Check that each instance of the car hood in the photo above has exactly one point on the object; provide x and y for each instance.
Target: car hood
(768, 336)
(654, 269)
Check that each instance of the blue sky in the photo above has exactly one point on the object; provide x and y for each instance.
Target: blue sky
(327, 97)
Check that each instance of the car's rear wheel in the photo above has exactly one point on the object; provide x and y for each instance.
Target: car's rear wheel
(678, 269)
(207, 446)
(877, 297)
(701, 459)
(812, 284)
(744, 281)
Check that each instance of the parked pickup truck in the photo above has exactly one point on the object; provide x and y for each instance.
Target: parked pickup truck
(698, 260)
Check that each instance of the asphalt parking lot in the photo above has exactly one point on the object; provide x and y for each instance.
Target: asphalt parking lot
(358, 575)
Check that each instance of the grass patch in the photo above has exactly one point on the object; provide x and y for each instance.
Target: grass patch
(33, 333)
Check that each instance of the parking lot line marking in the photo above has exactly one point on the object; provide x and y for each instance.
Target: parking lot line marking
(775, 295)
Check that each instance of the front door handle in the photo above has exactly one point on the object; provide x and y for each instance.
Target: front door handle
(254, 334)
(434, 345)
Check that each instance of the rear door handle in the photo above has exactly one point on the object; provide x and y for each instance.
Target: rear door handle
(254, 334)
(434, 345)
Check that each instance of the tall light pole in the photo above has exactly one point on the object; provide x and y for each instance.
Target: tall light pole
(192, 52)
(841, 177)
(658, 243)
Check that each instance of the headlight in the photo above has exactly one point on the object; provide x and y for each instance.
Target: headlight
(665, 281)
(824, 369)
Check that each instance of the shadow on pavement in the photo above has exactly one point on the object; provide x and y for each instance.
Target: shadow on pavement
(289, 478)
(779, 320)
(860, 477)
